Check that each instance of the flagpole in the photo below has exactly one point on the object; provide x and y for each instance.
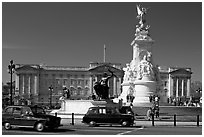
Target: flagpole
(104, 54)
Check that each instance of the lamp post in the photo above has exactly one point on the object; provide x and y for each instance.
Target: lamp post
(11, 68)
(51, 89)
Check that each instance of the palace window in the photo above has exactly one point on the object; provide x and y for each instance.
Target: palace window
(80, 91)
(73, 91)
(73, 81)
(87, 82)
(65, 82)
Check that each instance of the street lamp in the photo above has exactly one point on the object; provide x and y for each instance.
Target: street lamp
(51, 89)
(11, 68)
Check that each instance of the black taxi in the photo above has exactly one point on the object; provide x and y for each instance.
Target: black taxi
(107, 115)
(29, 116)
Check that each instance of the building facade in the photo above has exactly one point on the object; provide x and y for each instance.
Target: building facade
(176, 82)
(32, 82)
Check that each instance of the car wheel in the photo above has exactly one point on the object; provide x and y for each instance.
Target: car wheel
(92, 123)
(125, 123)
(7, 125)
(39, 127)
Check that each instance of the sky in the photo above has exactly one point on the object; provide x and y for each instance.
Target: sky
(74, 34)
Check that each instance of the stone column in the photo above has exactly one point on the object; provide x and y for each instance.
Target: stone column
(32, 83)
(170, 85)
(114, 86)
(91, 84)
(119, 87)
(20, 83)
(26, 79)
(182, 92)
(29, 87)
(36, 88)
(188, 87)
(23, 84)
(17, 82)
(177, 87)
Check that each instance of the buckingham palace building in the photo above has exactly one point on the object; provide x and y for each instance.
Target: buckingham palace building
(42, 84)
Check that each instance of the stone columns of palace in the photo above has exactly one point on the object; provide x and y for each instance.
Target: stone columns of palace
(93, 79)
(17, 80)
(183, 89)
(23, 84)
(28, 84)
(35, 85)
(188, 86)
(119, 91)
(114, 86)
(170, 86)
(177, 87)
(91, 84)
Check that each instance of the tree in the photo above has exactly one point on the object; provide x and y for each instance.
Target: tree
(196, 89)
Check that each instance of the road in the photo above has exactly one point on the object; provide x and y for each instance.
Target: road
(110, 130)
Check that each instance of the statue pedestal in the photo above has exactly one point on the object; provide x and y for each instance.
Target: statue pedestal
(82, 106)
(75, 106)
(142, 91)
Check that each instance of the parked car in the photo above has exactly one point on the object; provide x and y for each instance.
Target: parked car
(28, 116)
(107, 115)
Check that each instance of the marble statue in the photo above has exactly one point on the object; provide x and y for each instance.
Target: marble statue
(142, 31)
(141, 77)
(128, 72)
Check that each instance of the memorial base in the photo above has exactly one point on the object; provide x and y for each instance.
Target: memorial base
(141, 92)
(82, 106)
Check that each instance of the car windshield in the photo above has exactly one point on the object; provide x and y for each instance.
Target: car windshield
(92, 111)
(37, 110)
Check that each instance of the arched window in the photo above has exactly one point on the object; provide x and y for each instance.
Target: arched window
(79, 90)
(86, 90)
(72, 90)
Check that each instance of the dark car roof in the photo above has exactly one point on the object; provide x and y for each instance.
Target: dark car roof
(16, 106)
(31, 106)
(102, 107)
(20, 106)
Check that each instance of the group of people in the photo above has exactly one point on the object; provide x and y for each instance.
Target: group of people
(184, 101)
(154, 110)
(154, 98)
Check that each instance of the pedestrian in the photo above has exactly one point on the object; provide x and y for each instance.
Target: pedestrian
(93, 96)
(149, 113)
(150, 98)
(157, 112)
